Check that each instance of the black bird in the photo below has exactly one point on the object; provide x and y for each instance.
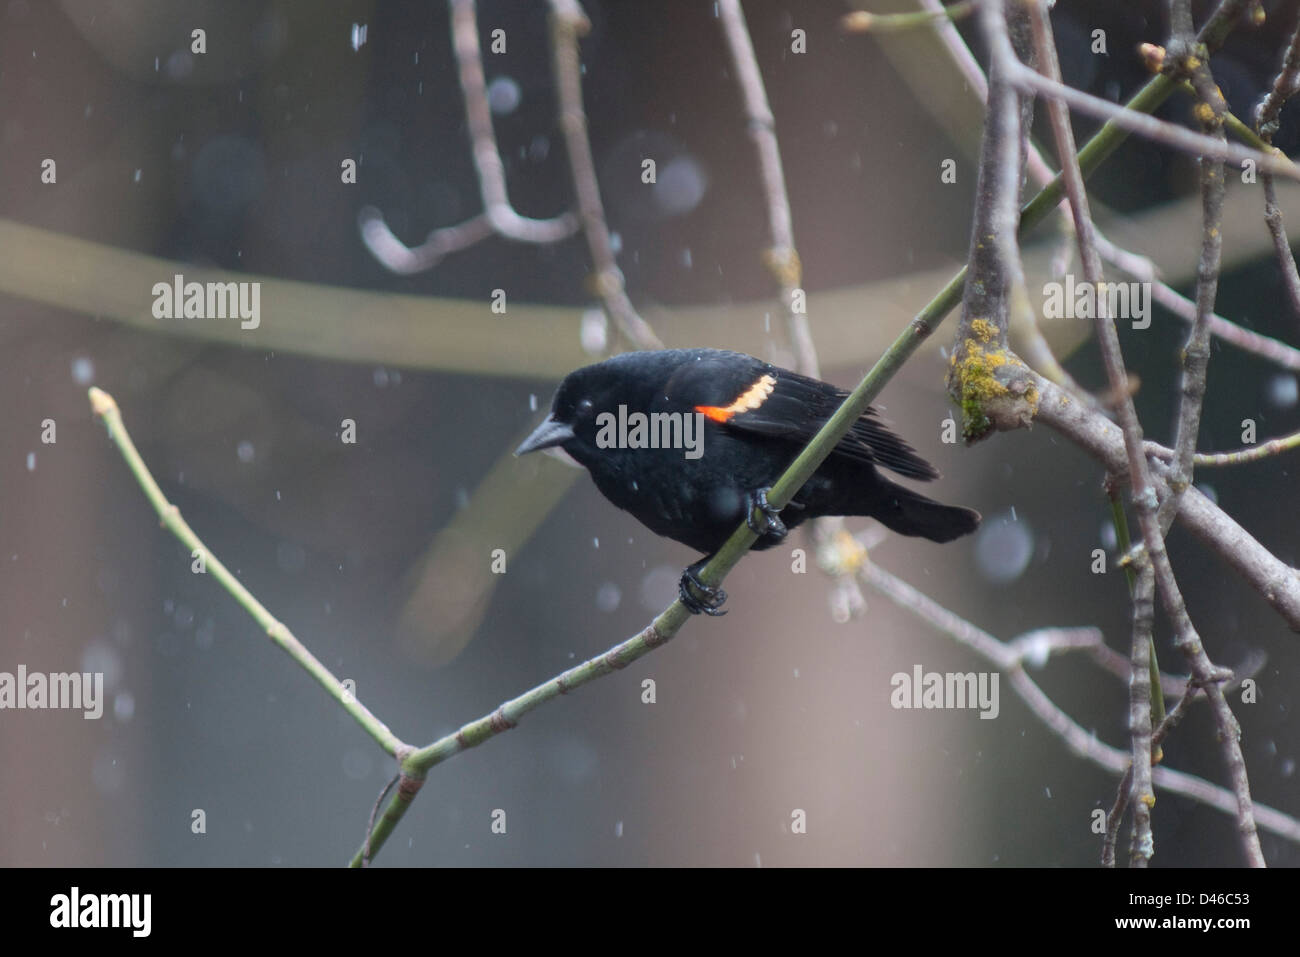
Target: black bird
(691, 440)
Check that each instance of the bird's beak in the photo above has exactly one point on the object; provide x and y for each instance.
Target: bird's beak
(546, 436)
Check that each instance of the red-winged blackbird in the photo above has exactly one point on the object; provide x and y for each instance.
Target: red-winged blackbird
(691, 440)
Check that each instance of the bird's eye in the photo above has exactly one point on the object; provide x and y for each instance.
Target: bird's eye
(584, 407)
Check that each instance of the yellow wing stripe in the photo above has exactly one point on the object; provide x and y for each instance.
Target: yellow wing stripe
(750, 399)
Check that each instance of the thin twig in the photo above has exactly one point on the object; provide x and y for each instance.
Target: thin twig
(1158, 131)
(568, 23)
(498, 216)
(509, 713)
(1252, 453)
(1278, 583)
(1186, 56)
(1186, 638)
(1182, 29)
(105, 407)
(781, 257)
(1144, 270)
(1143, 846)
(1094, 152)
(1155, 679)
(1037, 352)
(1285, 85)
(487, 158)
(405, 260)
(1079, 740)
(1143, 586)
(1125, 789)
(783, 262)
(1146, 504)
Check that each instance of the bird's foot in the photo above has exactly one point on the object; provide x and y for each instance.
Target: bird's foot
(770, 524)
(710, 598)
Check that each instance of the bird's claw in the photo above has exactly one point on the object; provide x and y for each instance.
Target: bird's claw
(771, 523)
(711, 598)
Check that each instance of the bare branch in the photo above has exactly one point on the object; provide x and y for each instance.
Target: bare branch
(1142, 269)
(1079, 740)
(1139, 687)
(1190, 58)
(568, 23)
(487, 158)
(1142, 485)
(1143, 590)
(1139, 267)
(498, 216)
(404, 260)
(1277, 582)
(782, 258)
(1158, 131)
(985, 378)
(106, 409)
(1125, 789)
(1144, 488)
(1285, 85)
(783, 262)
(1252, 453)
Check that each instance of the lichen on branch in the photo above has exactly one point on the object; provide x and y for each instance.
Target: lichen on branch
(992, 385)
(989, 382)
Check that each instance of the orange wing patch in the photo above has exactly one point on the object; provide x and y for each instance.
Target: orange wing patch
(750, 399)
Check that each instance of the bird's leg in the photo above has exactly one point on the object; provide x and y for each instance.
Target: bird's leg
(690, 585)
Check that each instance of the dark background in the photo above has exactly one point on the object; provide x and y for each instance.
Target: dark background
(774, 707)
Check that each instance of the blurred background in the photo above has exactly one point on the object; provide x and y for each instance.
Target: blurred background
(377, 554)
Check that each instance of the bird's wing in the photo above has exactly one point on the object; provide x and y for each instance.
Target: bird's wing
(755, 397)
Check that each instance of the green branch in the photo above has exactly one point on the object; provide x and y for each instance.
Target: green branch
(106, 408)
(415, 766)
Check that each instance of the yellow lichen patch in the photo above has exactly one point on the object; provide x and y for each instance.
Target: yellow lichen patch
(983, 330)
(986, 402)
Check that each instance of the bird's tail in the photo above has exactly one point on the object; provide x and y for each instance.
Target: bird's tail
(903, 511)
